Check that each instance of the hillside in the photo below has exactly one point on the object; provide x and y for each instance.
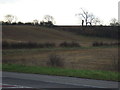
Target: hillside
(38, 34)
(94, 31)
(100, 58)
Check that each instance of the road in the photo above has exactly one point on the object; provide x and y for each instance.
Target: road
(47, 81)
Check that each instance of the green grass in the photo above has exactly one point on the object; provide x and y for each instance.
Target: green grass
(0, 66)
(92, 74)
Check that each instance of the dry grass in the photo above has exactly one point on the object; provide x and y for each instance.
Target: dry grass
(93, 59)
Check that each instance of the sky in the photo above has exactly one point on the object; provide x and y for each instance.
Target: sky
(63, 11)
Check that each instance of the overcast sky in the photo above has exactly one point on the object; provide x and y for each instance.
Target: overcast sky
(62, 10)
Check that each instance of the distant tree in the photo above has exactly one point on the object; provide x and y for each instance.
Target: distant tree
(90, 19)
(114, 22)
(49, 23)
(35, 22)
(20, 23)
(97, 21)
(86, 16)
(42, 23)
(14, 23)
(4, 23)
(28, 23)
(49, 19)
(10, 18)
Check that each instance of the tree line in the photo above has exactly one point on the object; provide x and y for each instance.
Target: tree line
(90, 19)
(87, 19)
(12, 20)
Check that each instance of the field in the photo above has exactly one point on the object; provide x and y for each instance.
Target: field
(38, 34)
(86, 57)
(92, 58)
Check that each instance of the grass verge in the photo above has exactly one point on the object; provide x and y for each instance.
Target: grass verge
(92, 74)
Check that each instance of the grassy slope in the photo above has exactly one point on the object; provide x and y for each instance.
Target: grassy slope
(42, 34)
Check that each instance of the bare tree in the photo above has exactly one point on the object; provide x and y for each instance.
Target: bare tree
(114, 22)
(91, 17)
(48, 18)
(97, 21)
(88, 17)
(9, 18)
(35, 22)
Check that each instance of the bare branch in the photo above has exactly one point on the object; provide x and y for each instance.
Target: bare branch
(88, 18)
(9, 18)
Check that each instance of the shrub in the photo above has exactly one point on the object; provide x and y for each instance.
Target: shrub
(72, 44)
(95, 44)
(55, 61)
(49, 45)
(75, 44)
(19, 45)
(5, 44)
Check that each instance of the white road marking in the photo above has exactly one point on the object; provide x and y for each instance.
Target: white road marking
(12, 86)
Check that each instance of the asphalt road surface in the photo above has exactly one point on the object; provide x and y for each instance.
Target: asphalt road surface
(46, 81)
